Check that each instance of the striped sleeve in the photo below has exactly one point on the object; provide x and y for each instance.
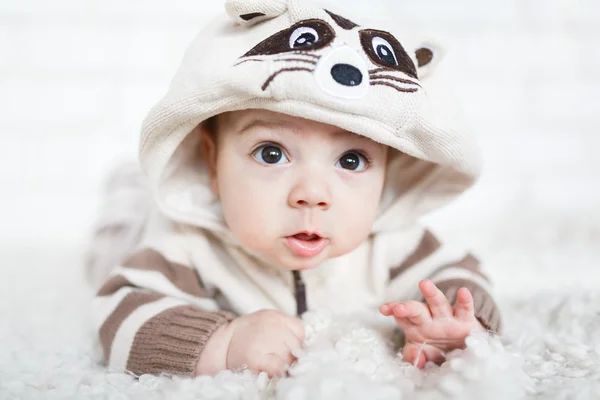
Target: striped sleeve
(450, 269)
(154, 315)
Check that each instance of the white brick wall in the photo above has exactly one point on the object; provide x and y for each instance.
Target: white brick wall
(76, 78)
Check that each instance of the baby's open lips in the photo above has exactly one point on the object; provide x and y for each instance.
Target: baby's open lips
(308, 236)
(306, 244)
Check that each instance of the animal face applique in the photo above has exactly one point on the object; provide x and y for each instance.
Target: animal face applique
(296, 58)
(346, 60)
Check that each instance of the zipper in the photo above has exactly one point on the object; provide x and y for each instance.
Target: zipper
(299, 293)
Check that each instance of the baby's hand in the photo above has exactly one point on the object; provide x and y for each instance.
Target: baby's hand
(434, 328)
(261, 341)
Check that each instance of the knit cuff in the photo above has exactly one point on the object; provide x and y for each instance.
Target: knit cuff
(486, 311)
(172, 341)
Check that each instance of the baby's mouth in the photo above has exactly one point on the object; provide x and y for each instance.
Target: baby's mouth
(306, 236)
(306, 244)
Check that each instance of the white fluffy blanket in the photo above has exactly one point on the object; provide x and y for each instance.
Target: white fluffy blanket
(551, 349)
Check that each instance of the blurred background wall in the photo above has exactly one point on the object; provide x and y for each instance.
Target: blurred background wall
(77, 77)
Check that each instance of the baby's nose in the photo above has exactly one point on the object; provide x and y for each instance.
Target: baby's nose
(310, 193)
(304, 203)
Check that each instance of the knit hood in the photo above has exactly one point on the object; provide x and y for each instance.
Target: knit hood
(295, 58)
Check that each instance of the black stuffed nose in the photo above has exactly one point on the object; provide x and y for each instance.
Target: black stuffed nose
(346, 74)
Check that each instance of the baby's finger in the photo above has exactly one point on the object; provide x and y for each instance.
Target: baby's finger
(415, 312)
(296, 326)
(273, 365)
(386, 309)
(440, 307)
(413, 354)
(286, 355)
(433, 354)
(419, 354)
(292, 343)
(464, 308)
(284, 351)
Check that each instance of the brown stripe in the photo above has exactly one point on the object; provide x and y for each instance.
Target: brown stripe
(428, 245)
(485, 308)
(184, 278)
(112, 285)
(469, 262)
(129, 304)
(171, 341)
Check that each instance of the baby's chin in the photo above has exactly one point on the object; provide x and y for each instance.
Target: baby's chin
(291, 262)
(282, 258)
(300, 265)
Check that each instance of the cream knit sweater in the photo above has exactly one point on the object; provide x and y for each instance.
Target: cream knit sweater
(188, 275)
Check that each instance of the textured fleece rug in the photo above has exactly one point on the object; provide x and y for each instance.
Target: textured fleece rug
(551, 348)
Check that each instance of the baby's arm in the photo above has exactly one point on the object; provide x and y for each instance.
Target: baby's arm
(153, 313)
(453, 299)
(449, 270)
(435, 327)
(154, 316)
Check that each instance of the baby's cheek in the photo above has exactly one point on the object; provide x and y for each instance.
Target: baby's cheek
(352, 230)
(252, 226)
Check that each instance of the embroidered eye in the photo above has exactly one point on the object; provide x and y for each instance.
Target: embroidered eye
(309, 34)
(270, 154)
(303, 36)
(384, 51)
(353, 162)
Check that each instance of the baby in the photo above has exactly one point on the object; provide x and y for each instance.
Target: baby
(290, 162)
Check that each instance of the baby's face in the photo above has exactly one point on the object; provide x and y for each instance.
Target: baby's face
(279, 176)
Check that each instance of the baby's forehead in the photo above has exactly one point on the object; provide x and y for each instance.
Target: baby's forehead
(241, 122)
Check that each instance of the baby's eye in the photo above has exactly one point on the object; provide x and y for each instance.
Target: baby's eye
(353, 161)
(270, 154)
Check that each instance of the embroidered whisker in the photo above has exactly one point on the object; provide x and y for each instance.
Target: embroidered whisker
(304, 53)
(297, 59)
(282, 59)
(393, 78)
(270, 79)
(249, 59)
(376, 70)
(405, 90)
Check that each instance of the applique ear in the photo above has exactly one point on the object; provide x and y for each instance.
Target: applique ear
(250, 12)
(428, 56)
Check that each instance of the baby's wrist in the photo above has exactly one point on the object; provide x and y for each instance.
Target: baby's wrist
(213, 358)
